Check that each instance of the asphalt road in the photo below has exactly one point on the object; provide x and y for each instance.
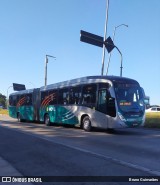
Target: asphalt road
(36, 150)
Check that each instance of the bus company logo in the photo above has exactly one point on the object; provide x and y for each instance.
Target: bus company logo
(6, 179)
(51, 109)
(21, 179)
(48, 99)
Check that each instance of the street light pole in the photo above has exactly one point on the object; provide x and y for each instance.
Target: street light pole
(7, 95)
(105, 34)
(46, 61)
(121, 67)
(118, 49)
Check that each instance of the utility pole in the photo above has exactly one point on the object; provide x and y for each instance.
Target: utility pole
(109, 59)
(46, 62)
(105, 35)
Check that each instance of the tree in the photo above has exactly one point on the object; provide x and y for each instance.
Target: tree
(2, 100)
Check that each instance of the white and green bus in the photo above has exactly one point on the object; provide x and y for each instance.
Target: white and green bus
(93, 101)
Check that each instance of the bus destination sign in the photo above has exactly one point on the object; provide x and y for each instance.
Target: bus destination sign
(18, 87)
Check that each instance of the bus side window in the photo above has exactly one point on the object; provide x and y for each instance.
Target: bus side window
(89, 95)
(106, 104)
(102, 102)
(28, 99)
(111, 109)
(63, 97)
(75, 95)
(11, 100)
(22, 100)
(53, 97)
(14, 100)
(44, 95)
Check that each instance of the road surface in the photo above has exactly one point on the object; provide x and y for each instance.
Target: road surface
(37, 150)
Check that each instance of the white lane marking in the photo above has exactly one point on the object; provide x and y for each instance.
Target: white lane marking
(138, 167)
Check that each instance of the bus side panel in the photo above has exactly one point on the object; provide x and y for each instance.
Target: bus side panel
(12, 111)
(59, 114)
(26, 112)
(97, 118)
(72, 115)
(66, 115)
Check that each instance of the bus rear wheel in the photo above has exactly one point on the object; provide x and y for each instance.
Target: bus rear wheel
(86, 124)
(47, 120)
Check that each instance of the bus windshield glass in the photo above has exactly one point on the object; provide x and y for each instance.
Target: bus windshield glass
(129, 97)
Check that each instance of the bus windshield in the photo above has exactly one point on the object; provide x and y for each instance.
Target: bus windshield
(129, 97)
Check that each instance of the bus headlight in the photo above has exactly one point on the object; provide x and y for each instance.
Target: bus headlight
(121, 117)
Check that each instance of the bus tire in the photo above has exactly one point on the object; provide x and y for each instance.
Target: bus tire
(47, 120)
(86, 124)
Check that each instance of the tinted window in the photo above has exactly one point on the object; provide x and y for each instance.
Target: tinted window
(75, 95)
(44, 96)
(52, 97)
(63, 96)
(102, 102)
(28, 99)
(103, 85)
(13, 100)
(22, 100)
(89, 94)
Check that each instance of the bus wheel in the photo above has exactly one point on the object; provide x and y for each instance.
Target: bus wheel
(86, 124)
(47, 120)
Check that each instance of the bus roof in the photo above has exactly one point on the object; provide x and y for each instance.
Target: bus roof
(88, 80)
(83, 80)
(23, 92)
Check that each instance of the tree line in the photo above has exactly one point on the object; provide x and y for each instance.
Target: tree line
(3, 101)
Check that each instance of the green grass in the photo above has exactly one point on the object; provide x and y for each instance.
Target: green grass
(152, 120)
(4, 111)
